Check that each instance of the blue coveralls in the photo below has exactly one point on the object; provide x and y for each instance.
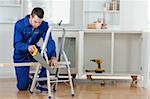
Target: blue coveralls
(25, 35)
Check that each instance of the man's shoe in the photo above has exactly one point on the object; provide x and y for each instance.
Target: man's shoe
(41, 88)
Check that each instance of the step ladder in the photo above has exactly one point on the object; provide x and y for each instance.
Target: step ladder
(54, 78)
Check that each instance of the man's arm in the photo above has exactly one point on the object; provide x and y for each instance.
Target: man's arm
(18, 43)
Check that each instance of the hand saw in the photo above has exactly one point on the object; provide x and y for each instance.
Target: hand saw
(38, 57)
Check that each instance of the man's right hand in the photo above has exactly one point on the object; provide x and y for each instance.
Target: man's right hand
(31, 49)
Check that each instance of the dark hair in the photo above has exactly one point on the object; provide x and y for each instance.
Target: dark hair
(38, 11)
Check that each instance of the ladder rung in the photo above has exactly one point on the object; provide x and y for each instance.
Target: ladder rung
(59, 81)
(53, 78)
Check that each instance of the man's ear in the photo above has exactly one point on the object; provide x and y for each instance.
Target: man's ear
(30, 19)
(30, 16)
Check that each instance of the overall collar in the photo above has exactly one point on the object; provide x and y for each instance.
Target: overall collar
(26, 21)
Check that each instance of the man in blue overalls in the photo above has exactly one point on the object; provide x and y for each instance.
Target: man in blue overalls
(27, 32)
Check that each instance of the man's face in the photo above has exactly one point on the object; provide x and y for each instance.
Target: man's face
(35, 21)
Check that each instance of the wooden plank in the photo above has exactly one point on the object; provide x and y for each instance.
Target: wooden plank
(61, 64)
(19, 64)
(112, 74)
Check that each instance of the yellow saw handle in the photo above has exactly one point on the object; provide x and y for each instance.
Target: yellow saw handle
(35, 52)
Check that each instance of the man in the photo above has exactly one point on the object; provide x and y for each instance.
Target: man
(27, 33)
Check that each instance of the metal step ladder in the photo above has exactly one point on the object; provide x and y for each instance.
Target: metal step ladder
(54, 78)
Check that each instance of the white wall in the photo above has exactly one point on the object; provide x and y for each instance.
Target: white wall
(133, 14)
(77, 13)
(6, 50)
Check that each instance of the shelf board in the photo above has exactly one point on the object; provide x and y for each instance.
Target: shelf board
(102, 11)
(118, 31)
(96, 31)
(94, 11)
(8, 21)
(10, 5)
(112, 11)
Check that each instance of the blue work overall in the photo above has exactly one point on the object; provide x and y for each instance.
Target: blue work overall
(25, 35)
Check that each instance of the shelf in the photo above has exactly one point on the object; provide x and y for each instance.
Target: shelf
(94, 10)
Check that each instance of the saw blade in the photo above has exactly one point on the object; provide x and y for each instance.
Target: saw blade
(42, 61)
(38, 57)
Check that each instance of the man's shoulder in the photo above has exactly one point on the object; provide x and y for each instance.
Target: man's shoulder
(44, 23)
(21, 21)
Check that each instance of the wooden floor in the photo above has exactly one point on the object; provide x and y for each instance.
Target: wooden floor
(118, 90)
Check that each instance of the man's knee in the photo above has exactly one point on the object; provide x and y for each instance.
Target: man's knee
(22, 86)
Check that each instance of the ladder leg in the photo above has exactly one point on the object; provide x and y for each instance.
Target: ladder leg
(34, 78)
(69, 73)
(70, 80)
(48, 77)
(48, 84)
(56, 83)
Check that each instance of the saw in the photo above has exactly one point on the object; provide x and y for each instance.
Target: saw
(38, 57)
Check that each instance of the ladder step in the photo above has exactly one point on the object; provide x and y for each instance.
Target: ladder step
(53, 78)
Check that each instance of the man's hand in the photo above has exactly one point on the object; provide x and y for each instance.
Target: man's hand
(30, 49)
(53, 61)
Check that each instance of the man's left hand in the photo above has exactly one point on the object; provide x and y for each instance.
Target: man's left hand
(53, 61)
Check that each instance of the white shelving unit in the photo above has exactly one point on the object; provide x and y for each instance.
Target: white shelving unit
(94, 10)
(121, 52)
(12, 10)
